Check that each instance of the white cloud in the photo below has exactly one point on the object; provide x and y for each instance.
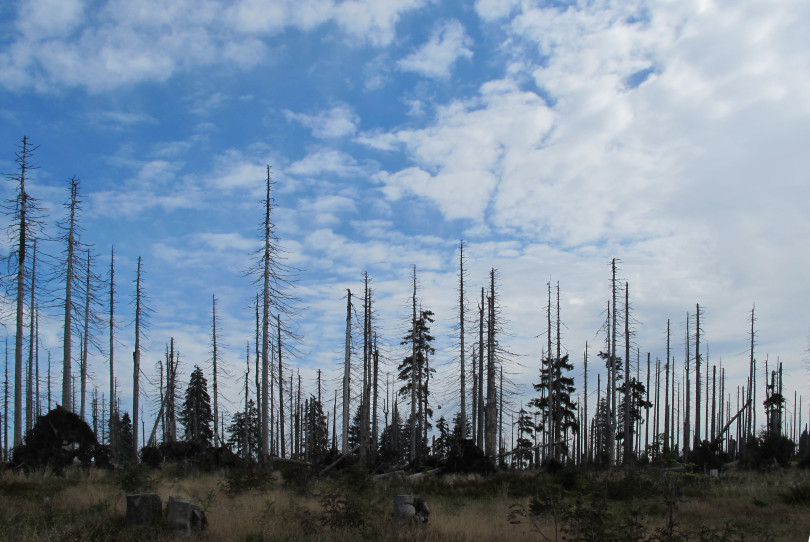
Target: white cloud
(446, 45)
(325, 161)
(119, 43)
(462, 156)
(41, 19)
(339, 121)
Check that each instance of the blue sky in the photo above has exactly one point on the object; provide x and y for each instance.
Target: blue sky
(551, 136)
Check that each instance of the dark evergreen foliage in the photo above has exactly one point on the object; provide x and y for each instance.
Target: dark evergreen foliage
(245, 432)
(196, 415)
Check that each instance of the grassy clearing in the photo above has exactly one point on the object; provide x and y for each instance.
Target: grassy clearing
(511, 506)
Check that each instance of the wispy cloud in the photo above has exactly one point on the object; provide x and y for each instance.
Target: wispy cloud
(448, 43)
(339, 121)
(58, 44)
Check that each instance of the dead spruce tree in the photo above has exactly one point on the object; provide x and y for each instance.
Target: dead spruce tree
(275, 279)
(463, 425)
(142, 311)
(25, 226)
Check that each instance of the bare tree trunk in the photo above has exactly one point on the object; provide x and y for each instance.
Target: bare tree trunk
(481, 356)
(492, 405)
(23, 224)
(346, 375)
(751, 425)
(413, 448)
(280, 388)
(474, 424)
(374, 428)
(29, 398)
(113, 412)
(666, 397)
(687, 392)
(647, 413)
(266, 327)
(628, 394)
(698, 413)
(364, 405)
(136, 357)
(463, 385)
(214, 360)
(86, 338)
(5, 406)
(585, 407)
(38, 409)
(612, 384)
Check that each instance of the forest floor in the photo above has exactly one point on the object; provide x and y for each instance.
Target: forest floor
(646, 504)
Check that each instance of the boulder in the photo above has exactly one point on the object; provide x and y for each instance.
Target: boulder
(411, 508)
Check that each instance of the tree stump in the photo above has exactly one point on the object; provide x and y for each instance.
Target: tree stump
(411, 508)
(144, 509)
(185, 517)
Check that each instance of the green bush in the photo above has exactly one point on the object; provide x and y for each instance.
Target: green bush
(247, 477)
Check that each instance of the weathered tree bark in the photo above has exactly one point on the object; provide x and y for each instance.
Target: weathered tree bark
(414, 382)
(22, 220)
(364, 405)
(492, 405)
(29, 397)
(612, 384)
(136, 358)
(628, 394)
(687, 393)
(481, 356)
(113, 412)
(587, 456)
(86, 338)
(67, 392)
(698, 413)
(374, 427)
(214, 360)
(266, 328)
(647, 408)
(667, 438)
(280, 388)
(463, 385)
(347, 374)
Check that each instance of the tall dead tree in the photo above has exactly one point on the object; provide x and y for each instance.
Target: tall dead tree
(215, 362)
(751, 417)
(481, 355)
(414, 346)
(698, 389)
(628, 393)
(142, 312)
(366, 390)
(266, 324)
(584, 425)
(5, 406)
(613, 362)
(25, 226)
(461, 316)
(71, 241)
(113, 417)
(32, 382)
(279, 351)
(491, 412)
(687, 422)
(136, 358)
(88, 299)
(347, 375)
(275, 278)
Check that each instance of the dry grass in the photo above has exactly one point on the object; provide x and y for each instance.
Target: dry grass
(91, 506)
